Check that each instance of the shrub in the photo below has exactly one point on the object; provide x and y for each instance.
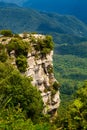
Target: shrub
(21, 50)
(3, 56)
(17, 36)
(6, 33)
(10, 47)
(50, 69)
(3, 53)
(56, 85)
(44, 45)
(20, 47)
(21, 63)
(32, 40)
(49, 42)
(25, 35)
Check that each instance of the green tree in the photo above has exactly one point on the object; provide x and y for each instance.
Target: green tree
(20, 103)
(17, 89)
(76, 114)
(78, 110)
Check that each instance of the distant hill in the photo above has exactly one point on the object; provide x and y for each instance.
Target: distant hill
(77, 8)
(18, 2)
(3, 4)
(21, 19)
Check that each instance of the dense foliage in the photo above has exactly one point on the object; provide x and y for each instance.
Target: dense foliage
(77, 118)
(21, 105)
(70, 67)
(17, 90)
(79, 49)
(13, 115)
(76, 114)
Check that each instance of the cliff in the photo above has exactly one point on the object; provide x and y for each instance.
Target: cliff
(38, 66)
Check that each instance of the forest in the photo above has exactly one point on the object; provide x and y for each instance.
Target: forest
(21, 104)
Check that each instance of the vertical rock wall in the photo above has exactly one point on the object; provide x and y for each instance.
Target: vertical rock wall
(41, 71)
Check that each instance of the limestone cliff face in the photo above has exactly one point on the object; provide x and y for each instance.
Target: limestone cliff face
(40, 69)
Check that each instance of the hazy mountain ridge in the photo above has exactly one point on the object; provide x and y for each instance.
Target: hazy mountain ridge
(20, 19)
(18, 2)
(72, 7)
(3, 4)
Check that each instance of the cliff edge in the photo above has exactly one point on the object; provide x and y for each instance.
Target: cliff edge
(32, 54)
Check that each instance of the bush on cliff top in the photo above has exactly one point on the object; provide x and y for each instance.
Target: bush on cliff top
(44, 45)
(7, 33)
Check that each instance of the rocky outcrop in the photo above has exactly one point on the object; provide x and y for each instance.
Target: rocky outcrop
(40, 69)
